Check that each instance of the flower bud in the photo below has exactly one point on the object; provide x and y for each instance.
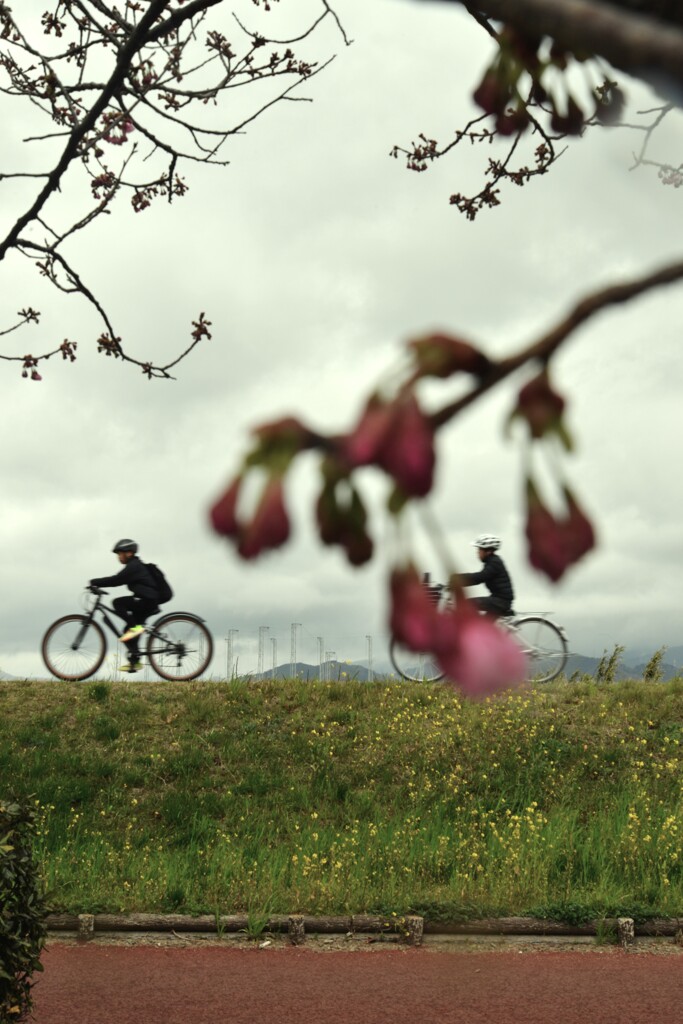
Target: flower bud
(555, 544)
(491, 95)
(344, 524)
(398, 437)
(483, 659)
(408, 451)
(270, 526)
(223, 514)
(542, 408)
(362, 447)
(288, 431)
(279, 442)
(610, 105)
(579, 533)
(358, 547)
(439, 355)
(413, 614)
(330, 525)
(570, 123)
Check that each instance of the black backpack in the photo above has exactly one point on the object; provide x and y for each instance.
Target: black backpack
(163, 588)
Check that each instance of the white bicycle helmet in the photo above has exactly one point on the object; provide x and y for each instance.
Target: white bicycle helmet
(487, 541)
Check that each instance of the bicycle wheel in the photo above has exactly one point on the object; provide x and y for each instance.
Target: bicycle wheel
(544, 644)
(73, 647)
(415, 667)
(179, 646)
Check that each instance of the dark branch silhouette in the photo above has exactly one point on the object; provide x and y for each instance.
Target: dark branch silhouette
(131, 93)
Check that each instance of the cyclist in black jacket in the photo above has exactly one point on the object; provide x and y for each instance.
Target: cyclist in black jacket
(493, 575)
(134, 610)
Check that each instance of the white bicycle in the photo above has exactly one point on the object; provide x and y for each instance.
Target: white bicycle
(543, 642)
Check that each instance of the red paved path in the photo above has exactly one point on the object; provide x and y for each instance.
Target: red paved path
(208, 985)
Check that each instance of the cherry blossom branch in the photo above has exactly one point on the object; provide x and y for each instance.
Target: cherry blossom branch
(544, 347)
(627, 39)
(123, 61)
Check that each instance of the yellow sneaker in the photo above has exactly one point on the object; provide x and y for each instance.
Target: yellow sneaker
(134, 666)
(133, 631)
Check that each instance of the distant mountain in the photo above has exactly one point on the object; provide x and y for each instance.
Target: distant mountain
(641, 655)
(578, 664)
(332, 670)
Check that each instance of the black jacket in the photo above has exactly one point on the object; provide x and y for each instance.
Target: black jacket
(495, 576)
(135, 576)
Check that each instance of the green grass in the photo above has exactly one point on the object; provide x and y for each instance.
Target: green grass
(261, 798)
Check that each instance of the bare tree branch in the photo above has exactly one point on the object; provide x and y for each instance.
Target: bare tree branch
(154, 79)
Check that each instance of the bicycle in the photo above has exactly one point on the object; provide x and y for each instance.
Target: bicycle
(179, 645)
(543, 642)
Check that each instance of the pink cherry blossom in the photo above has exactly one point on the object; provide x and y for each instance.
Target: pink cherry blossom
(363, 446)
(556, 543)
(413, 614)
(540, 405)
(482, 658)
(270, 526)
(408, 451)
(398, 437)
(223, 514)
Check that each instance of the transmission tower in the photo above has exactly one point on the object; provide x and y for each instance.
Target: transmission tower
(273, 641)
(370, 672)
(292, 651)
(262, 630)
(229, 641)
(321, 648)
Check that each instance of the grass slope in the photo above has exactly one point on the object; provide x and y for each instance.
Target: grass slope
(347, 797)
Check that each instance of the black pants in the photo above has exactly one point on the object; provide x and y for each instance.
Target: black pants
(492, 606)
(134, 611)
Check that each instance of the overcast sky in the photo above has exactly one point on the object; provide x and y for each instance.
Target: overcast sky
(316, 256)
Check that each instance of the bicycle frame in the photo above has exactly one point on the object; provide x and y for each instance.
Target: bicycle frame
(101, 609)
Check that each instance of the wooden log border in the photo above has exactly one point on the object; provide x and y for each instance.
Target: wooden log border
(410, 928)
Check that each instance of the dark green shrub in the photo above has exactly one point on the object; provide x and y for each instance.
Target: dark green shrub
(22, 912)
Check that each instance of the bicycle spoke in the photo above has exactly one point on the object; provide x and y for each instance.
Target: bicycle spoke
(179, 647)
(544, 645)
(73, 648)
(416, 667)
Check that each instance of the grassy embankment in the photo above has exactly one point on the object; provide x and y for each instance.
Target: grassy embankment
(346, 797)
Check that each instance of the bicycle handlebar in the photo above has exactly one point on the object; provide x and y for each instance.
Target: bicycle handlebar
(95, 590)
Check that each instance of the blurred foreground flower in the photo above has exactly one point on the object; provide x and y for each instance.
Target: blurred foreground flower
(413, 618)
(478, 657)
(555, 544)
(342, 517)
(268, 527)
(542, 408)
(398, 437)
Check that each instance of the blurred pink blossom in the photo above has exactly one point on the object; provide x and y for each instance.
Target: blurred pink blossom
(270, 526)
(413, 617)
(223, 514)
(555, 544)
(481, 658)
(398, 437)
(478, 657)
